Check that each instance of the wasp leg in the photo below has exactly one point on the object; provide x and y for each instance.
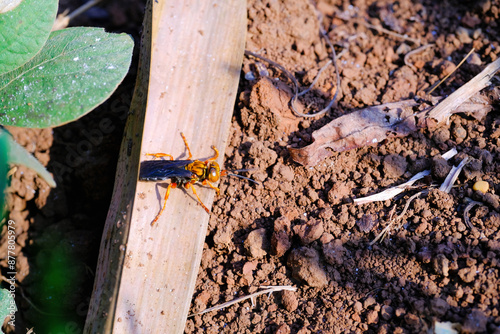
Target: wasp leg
(160, 155)
(170, 186)
(187, 146)
(205, 183)
(189, 185)
(189, 151)
(216, 154)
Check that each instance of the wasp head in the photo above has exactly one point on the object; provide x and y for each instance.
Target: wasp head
(213, 171)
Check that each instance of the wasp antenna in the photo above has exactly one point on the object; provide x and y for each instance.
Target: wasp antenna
(243, 170)
(243, 177)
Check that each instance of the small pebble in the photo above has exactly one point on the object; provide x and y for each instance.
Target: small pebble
(387, 312)
(289, 300)
(372, 317)
(459, 133)
(493, 200)
(476, 34)
(463, 35)
(403, 49)
(257, 243)
(250, 76)
(305, 265)
(475, 322)
(481, 186)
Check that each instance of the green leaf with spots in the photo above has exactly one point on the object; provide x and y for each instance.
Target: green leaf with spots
(77, 69)
(24, 30)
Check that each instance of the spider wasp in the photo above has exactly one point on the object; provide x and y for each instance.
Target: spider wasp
(183, 173)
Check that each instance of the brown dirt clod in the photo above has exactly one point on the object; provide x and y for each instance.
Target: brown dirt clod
(306, 267)
(257, 243)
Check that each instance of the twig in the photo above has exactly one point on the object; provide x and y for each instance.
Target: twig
(83, 8)
(443, 110)
(456, 68)
(315, 79)
(267, 289)
(399, 217)
(63, 19)
(386, 229)
(392, 33)
(278, 66)
(296, 93)
(407, 205)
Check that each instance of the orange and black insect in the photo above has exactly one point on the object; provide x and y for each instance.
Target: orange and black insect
(183, 173)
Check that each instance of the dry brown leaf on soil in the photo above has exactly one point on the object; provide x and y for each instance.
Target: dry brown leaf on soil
(374, 124)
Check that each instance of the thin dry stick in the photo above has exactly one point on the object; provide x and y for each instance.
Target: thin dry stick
(386, 229)
(409, 202)
(392, 33)
(267, 289)
(62, 20)
(456, 68)
(83, 8)
(315, 79)
(392, 192)
(442, 112)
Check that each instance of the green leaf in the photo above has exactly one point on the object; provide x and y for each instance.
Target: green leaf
(76, 70)
(7, 305)
(17, 155)
(24, 31)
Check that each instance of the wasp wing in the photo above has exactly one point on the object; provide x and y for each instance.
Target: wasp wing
(158, 170)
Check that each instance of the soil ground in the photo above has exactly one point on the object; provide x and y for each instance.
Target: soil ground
(300, 227)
